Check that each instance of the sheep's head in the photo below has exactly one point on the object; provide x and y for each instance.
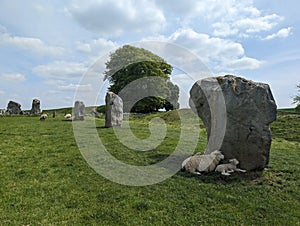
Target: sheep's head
(218, 155)
(184, 163)
(234, 162)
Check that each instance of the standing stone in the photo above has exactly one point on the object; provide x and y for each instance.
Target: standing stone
(36, 107)
(79, 111)
(114, 110)
(241, 108)
(13, 108)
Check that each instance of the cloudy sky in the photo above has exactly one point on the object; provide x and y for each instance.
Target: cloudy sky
(47, 46)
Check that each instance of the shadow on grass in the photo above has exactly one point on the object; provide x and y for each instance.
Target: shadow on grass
(217, 178)
(101, 127)
(212, 177)
(67, 120)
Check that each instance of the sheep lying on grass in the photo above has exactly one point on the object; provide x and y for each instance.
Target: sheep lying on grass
(202, 163)
(68, 116)
(43, 117)
(226, 169)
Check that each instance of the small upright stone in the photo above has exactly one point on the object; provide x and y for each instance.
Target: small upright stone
(13, 108)
(36, 107)
(79, 111)
(114, 110)
(249, 110)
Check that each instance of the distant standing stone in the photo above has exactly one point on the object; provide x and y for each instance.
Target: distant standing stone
(79, 111)
(36, 107)
(13, 108)
(114, 110)
(249, 110)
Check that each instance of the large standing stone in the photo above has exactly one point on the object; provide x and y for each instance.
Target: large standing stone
(13, 108)
(36, 107)
(114, 110)
(236, 114)
(79, 111)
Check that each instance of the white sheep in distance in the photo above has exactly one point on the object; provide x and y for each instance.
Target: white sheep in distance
(2, 112)
(68, 116)
(226, 169)
(202, 163)
(43, 117)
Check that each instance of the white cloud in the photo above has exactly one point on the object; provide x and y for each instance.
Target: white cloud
(96, 47)
(75, 87)
(207, 48)
(13, 77)
(178, 8)
(217, 53)
(31, 44)
(258, 24)
(60, 71)
(115, 17)
(236, 18)
(224, 29)
(282, 33)
(244, 63)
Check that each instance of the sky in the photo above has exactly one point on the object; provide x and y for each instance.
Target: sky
(49, 48)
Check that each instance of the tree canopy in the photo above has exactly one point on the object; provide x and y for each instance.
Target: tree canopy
(297, 99)
(128, 64)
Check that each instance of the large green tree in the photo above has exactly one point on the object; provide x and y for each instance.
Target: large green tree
(128, 64)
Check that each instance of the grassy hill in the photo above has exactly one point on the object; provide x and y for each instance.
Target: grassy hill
(45, 180)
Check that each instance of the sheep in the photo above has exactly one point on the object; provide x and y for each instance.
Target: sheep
(226, 169)
(68, 116)
(43, 117)
(202, 163)
(2, 112)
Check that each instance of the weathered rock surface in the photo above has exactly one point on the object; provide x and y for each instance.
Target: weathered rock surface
(79, 111)
(114, 110)
(236, 114)
(13, 108)
(36, 107)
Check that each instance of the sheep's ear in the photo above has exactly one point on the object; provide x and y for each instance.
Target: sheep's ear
(231, 160)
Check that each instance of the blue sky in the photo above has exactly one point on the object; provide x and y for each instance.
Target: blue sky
(47, 46)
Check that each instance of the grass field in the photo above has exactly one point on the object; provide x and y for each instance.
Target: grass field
(44, 180)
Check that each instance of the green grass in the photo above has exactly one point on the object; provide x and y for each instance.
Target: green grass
(44, 180)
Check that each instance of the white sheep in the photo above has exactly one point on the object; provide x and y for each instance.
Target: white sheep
(202, 163)
(68, 116)
(2, 112)
(226, 169)
(43, 117)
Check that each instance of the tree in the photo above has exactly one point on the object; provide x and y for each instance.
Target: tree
(128, 64)
(297, 100)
